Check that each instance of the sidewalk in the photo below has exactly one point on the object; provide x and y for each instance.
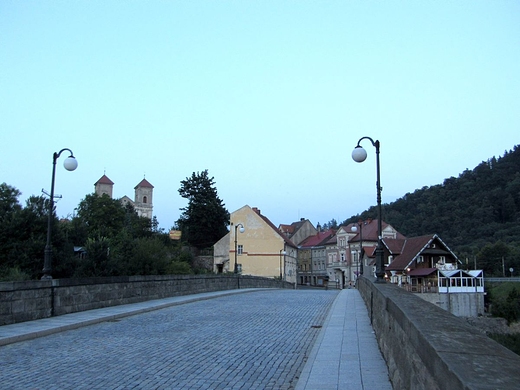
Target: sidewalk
(346, 355)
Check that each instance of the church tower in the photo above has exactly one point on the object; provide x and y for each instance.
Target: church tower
(104, 186)
(144, 199)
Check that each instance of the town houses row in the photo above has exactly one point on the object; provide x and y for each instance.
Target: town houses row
(306, 255)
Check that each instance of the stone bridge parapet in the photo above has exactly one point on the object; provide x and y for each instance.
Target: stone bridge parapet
(32, 300)
(426, 347)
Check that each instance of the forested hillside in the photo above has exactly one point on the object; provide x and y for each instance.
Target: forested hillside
(476, 214)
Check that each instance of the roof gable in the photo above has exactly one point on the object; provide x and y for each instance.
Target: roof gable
(288, 229)
(257, 212)
(144, 183)
(104, 180)
(369, 230)
(412, 248)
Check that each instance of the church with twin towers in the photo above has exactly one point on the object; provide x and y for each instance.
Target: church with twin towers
(143, 198)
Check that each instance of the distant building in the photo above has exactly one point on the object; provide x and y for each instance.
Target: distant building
(261, 250)
(143, 197)
(298, 231)
(312, 259)
(426, 265)
(104, 186)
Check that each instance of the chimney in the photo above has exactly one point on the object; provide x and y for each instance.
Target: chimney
(256, 210)
(302, 219)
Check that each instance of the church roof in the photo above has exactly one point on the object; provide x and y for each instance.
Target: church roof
(144, 183)
(104, 180)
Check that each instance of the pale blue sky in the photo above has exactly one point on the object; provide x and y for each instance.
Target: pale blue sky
(269, 96)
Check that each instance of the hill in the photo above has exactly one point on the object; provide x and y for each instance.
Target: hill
(476, 214)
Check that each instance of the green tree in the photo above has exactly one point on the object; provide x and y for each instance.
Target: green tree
(332, 224)
(490, 258)
(150, 257)
(8, 200)
(204, 221)
(98, 259)
(29, 226)
(9, 206)
(102, 216)
(505, 301)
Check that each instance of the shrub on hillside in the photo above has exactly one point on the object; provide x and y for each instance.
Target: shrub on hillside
(505, 300)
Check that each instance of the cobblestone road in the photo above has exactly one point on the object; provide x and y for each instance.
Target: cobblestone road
(256, 340)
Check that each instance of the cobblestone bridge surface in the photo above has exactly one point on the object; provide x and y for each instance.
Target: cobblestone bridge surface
(255, 340)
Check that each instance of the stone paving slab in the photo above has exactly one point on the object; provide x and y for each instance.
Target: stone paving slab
(258, 340)
(346, 355)
(22, 331)
(265, 339)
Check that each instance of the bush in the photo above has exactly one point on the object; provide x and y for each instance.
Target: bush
(13, 275)
(510, 341)
(178, 268)
(505, 300)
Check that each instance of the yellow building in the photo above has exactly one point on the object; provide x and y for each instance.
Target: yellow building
(256, 247)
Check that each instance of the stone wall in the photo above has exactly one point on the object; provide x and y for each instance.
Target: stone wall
(203, 262)
(31, 300)
(426, 347)
(459, 304)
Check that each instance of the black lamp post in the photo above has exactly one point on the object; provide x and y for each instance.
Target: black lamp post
(70, 164)
(359, 155)
(236, 247)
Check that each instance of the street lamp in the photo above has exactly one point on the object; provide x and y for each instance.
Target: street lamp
(359, 155)
(282, 253)
(70, 164)
(361, 251)
(236, 247)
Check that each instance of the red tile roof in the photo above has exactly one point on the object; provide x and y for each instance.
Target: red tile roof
(369, 232)
(144, 183)
(286, 228)
(318, 239)
(394, 246)
(410, 249)
(104, 180)
(422, 271)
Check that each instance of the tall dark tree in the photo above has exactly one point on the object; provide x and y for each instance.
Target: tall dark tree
(23, 234)
(204, 221)
(8, 200)
(9, 206)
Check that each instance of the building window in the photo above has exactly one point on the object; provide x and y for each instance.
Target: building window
(240, 249)
(145, 199)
